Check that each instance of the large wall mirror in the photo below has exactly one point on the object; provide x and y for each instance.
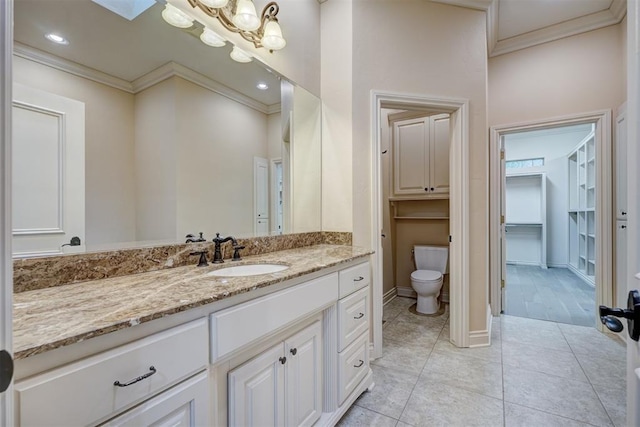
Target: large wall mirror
(132, 132)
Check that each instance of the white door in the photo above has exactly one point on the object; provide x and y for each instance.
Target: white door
(503, 235)
(277, 212)
(439, 154)
(6, 281)
(256, 391)
(47, 173)
(304, 380)
(261, 195)
(411, 156)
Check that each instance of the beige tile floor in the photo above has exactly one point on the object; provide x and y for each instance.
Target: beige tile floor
(536, 373)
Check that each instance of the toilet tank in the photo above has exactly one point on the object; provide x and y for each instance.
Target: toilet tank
(431, 258)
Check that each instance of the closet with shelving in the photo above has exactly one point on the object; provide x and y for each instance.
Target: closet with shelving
(582, 203)
(526, 218)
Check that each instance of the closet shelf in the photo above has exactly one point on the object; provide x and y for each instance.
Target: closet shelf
(523, 224)
(419, 198)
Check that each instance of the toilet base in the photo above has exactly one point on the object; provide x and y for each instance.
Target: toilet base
(427, 305)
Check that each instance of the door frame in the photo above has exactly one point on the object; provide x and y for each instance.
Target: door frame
(604, 201)
(6, 264)
(458, 206)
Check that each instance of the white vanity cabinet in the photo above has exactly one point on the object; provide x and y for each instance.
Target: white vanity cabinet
(281, 386)
(96, 389)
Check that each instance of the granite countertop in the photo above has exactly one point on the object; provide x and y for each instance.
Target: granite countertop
(49, 318)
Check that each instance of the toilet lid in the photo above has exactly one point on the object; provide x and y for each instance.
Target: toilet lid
(426, 275)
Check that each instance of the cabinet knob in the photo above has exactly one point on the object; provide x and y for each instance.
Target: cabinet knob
(623, 226)
(293, 351)
(432, 188)
(283, 360)
(623, 213)
(426, 189)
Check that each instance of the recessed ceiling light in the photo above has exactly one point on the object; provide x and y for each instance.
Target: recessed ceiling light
(262, 86)
(56, 38)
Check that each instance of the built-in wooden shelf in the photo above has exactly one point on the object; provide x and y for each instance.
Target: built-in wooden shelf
(426, 218)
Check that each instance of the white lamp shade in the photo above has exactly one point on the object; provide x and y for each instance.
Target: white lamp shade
(246, 17)
(240, 55)
(216, 4)
(176, 17)
(211, 38)
(272, 38)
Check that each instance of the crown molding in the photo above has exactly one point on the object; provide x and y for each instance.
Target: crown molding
(171, 69)
(562, 30)
(483, 5)
(44, 58)
(168, 70)
(275, 108)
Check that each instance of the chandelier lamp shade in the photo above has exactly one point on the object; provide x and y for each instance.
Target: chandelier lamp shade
(236, 16)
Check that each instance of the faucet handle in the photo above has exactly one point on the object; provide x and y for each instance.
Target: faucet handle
(202, 262)
(236, 252)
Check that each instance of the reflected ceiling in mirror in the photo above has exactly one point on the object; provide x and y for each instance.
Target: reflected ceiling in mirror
(177, 137)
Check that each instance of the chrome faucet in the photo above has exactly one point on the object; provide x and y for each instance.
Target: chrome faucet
(217, 253)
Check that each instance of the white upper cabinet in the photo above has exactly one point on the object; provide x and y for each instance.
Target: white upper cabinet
(421, 155)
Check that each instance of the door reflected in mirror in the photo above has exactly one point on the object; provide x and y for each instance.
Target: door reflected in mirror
(137, 133)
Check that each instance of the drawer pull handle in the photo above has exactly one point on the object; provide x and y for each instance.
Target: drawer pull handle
(293, 351)
(358, 279)
(359, 316)
(359, 364)
(135, 380)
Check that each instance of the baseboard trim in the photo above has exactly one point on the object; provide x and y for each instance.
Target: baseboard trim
(389, 296)
(482, 338)
(404, 291)
(581, 275)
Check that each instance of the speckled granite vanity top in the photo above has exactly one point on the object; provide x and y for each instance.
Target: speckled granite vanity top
(49, 318)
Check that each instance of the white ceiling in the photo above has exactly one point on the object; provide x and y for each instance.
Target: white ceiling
(104, 41)
(518, 24)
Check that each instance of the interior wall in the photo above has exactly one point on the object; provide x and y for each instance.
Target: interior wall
(274, 151)
(306, 149)
(578, 74)
(553, 146)
(337, 116)
(444, 54)
(155, 162)
(109, 164)
(217, 139)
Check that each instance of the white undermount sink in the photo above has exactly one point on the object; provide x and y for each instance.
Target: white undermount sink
(248, 270)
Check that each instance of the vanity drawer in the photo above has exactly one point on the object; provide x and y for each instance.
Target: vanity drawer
(240, 325)
(353, 365)
(353, 317)
(84, 392)
(354, 278)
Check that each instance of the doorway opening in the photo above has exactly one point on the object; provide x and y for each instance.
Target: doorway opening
(551, 218)
(458, 217)
(550, 234)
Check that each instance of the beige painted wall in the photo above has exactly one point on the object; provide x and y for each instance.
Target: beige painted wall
(577, 74)
(444, 54)
(110, 193)
(155, 164)
(337, 117)
(196, 165)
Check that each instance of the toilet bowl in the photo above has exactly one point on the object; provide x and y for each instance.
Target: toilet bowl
(431, 264)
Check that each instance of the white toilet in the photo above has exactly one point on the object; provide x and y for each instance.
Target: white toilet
(431, 264)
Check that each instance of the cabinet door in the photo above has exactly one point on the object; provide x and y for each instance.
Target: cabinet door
(256, 391)
(185, 405)
(410, 156)
(621, 264)
(304, 376)
(439, 154)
